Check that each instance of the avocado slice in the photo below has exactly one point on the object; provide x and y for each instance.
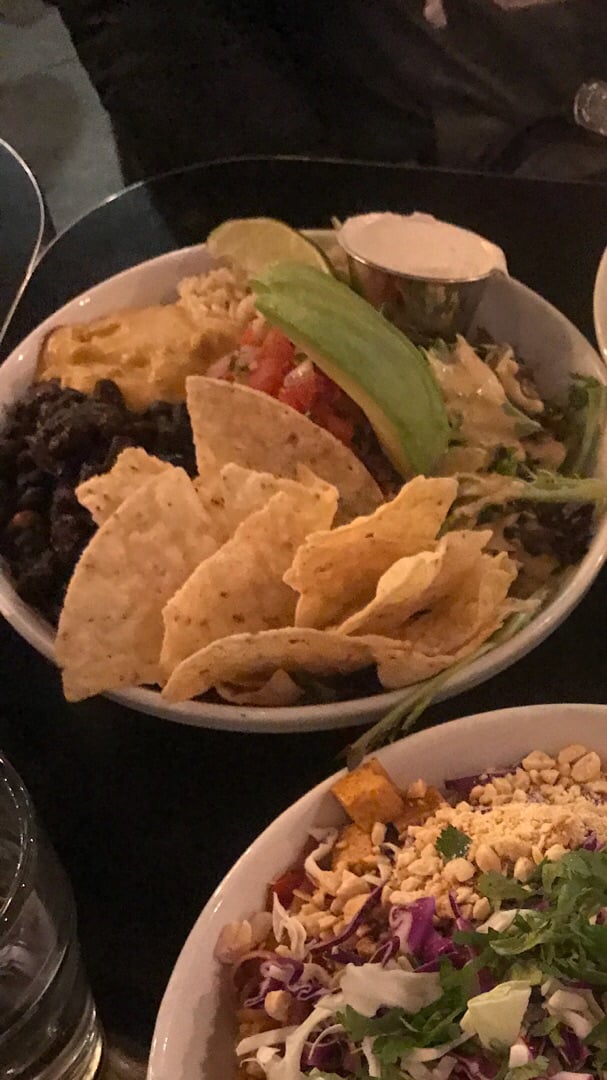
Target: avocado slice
(371, 360)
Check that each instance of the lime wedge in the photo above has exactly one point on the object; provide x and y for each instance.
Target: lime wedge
(256, 243)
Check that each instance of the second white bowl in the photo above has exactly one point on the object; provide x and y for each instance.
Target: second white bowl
(194, 1034)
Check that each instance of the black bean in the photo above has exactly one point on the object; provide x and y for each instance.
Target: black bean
(561, 530)
(109, 393)
(117, 445)
(63, 501)
(67, 533)
(32, 478)
(25, 460)
(33, 498)
(157, 410)
(143, 432)
(30, 542)
(9, 449)
(24, 519)
(36, 583)
(87, 471)
(391, 836)
(52, 439)
(48, 390)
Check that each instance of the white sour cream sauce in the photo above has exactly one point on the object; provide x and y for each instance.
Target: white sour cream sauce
(421, 246)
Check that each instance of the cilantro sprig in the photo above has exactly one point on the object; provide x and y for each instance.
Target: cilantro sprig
(554, 928)
(396, 1033)
(537, 1067)
(452, 843)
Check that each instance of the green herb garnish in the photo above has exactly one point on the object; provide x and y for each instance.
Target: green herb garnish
(506, 461)
(557, 938)
(537, 1067)
(583, 423)
(496, 888)
(397, 1033)
(452, 843)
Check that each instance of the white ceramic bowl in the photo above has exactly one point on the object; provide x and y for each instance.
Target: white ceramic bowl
(508, 311)
(599, 306)
(193, 1039)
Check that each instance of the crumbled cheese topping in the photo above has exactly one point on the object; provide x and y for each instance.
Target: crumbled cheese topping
(540, 810)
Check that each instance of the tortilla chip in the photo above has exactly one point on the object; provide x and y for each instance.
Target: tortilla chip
(337, 572)
(110, 630)
(416, 582)
(103, 494)
(233, 423)
(279, 689)
(454, 629)
(241, 587)
(478, 600)
(401, 663)
(234, 493)
(459, 622)
(239, 659)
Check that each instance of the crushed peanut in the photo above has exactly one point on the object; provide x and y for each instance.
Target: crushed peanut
(277, 1003)
(512, 821)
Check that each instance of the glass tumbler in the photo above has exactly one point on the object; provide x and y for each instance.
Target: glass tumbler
(48, 1024)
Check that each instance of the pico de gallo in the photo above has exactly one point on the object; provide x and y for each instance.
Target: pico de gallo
(268, 361)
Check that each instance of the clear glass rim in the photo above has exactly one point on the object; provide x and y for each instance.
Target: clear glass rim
(23, 812)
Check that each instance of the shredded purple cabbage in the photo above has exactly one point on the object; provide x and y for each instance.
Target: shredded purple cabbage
(460, 922)
(572, 1051)
(285, 973)
(475, 1067)
(592, 842)
(320, 947)
(413, 928)
(485, 980)
(351, 1062)
(462, 785)
(385, 951)
(324, 1054)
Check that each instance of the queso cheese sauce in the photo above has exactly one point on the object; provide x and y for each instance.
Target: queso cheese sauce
(149, 352)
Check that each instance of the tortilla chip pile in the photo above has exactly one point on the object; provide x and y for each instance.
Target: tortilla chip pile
(278, 561)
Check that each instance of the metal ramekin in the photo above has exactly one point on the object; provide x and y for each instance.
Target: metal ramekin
(423, 308)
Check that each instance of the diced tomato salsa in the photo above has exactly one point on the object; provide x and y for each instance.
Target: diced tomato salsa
(284, 887)
(273, 366)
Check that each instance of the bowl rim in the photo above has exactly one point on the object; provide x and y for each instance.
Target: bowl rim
(334, 715)
(481, 725)
(599, 306)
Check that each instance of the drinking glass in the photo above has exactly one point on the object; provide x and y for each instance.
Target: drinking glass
(48, 1024)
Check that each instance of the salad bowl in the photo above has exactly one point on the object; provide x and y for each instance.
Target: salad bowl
(195, 1028)
(508, 311)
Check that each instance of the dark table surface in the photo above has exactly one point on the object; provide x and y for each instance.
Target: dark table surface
(148, 815)
(21, 226)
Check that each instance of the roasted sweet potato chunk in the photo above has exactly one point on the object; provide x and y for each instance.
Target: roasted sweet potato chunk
(368, 795)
